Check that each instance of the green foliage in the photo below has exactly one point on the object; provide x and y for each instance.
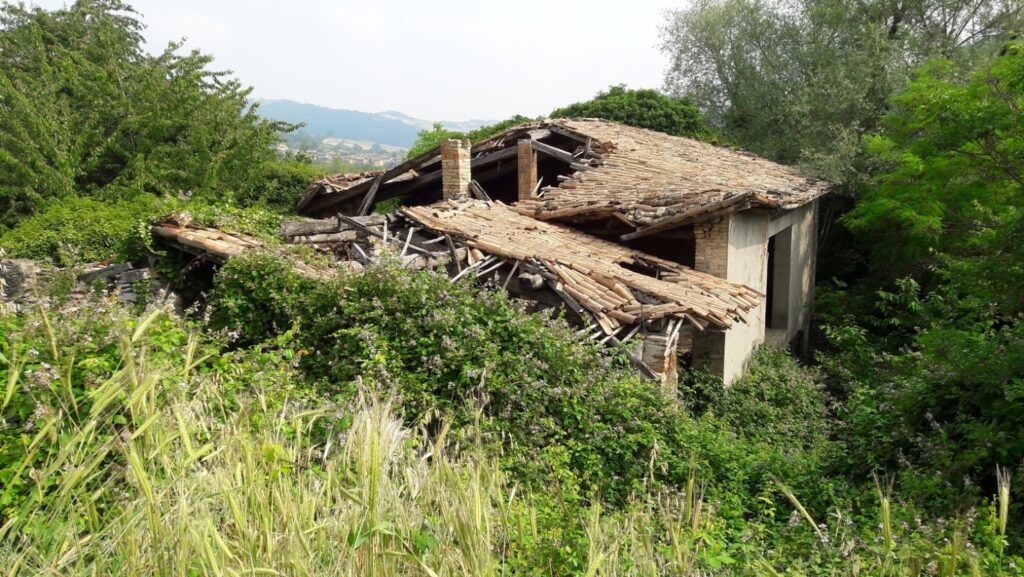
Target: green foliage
(952, 153)
(54, 364)
(801, 82)
(77, 230)
(258, 220)
(83, 230)
(565, 413)
(932, 362)
(84, 110)
(107, 414)
(282, 184)
(430, 139)
(778, 399)
(644, 108)
(484, 132)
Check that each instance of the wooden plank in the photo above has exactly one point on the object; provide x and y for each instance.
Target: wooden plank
(291, 228)
(478, 191)
(455, 258)
(553, 152)
(344, 236)
(313, 206)
(579, 137)
(379, 235)
(367, 204)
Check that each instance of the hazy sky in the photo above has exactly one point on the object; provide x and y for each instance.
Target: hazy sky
(434, 59)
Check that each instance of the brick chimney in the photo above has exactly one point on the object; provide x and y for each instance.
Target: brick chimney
(455, 168)
(526, 158)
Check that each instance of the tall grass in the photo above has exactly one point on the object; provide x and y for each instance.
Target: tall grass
(167, 477)
(162, 472)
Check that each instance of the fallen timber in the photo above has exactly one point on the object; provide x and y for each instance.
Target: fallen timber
(547, 264)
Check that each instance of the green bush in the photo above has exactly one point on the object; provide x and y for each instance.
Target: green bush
(564, 412)
(643, 108)
(89, 111)
(778, 399)
(79, 230)
(280, 185)
(52, 362)
(428, 139)
(143, 448)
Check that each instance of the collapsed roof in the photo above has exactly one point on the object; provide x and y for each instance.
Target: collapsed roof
(618, 286)
(592, 169)
(657, 181)
(210, 243)
(559, 206)
(608, 285)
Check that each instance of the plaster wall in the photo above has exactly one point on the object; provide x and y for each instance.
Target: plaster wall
(747, 264)
(739, 253)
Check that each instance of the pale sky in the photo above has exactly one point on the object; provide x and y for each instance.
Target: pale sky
(433, 59)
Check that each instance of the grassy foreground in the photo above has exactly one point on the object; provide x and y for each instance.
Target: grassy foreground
(147, 453)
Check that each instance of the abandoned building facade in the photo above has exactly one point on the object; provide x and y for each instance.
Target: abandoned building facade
(666, 248)
(700, 207)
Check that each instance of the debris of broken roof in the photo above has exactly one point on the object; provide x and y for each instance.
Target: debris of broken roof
(616, 285)
(210, 243)
(607, 284)
(592, 169)
(590, 214)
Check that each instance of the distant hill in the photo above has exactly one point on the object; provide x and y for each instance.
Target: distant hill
(387, 128)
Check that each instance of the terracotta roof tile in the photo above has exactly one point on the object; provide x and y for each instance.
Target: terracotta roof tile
(652, 179)
(594, 271)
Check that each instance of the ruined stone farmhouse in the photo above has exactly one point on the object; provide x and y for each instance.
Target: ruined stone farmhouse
(667, 248)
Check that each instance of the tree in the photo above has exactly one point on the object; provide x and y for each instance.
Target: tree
(953, 159)
(429, 139)
(432, 138)
(800, 82)
(84, 110)
(940, 376)
(643, 108)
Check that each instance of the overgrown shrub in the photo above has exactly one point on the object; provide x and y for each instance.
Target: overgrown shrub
(88, 111)
(78, 230)
(62, 367)
(778, 399)
(565, 412)
(280, 185)
(643, 108)
(182, 460)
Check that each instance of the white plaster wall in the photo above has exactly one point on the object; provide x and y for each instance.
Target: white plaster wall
(747, 264)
